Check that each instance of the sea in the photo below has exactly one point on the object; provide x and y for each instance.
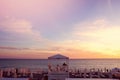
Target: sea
(73, 63)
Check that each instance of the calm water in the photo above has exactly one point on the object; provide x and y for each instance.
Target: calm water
(74, 63)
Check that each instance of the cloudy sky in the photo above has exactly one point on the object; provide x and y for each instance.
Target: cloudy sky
(75, 28)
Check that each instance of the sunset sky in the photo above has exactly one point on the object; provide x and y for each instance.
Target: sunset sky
(75, 28)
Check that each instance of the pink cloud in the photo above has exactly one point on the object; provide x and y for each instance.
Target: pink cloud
(12, 48)
(21, 27)
(16, 26)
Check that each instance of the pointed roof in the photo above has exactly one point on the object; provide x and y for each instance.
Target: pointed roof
(58, 56)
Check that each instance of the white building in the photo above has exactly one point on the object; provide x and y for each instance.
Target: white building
(58, 67)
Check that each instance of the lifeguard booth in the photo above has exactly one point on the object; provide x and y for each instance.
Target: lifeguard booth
(58, 66)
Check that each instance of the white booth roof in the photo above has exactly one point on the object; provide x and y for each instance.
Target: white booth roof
(58, 56)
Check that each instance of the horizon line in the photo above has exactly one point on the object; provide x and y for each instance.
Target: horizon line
(69, 58)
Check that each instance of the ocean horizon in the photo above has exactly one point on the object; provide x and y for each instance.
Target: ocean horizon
(73, 63)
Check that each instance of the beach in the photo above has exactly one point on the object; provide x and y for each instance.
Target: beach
(78, 68)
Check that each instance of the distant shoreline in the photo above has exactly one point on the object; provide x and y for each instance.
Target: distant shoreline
(69, 59)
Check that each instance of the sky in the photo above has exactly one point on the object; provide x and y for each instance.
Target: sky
(37, 29)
